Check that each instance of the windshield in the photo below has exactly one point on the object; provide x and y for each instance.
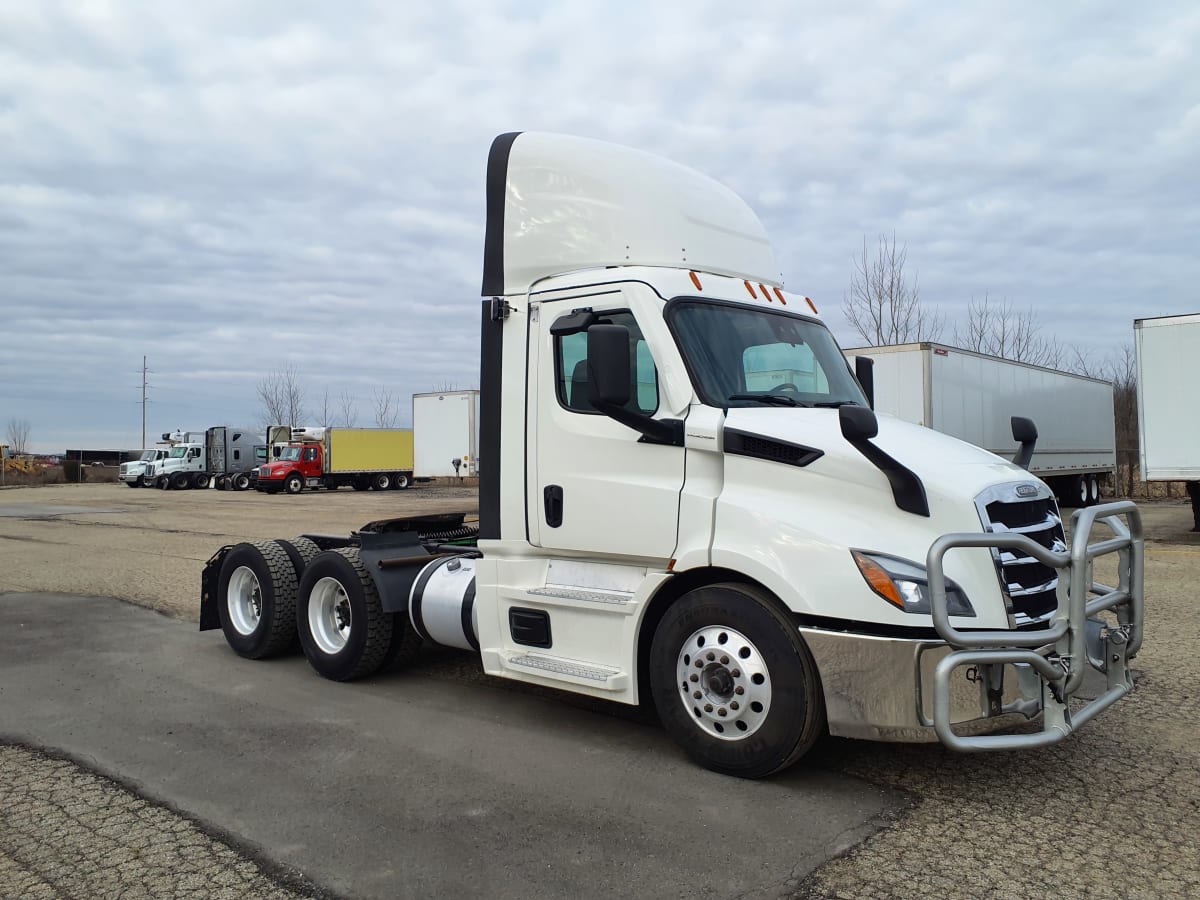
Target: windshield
(289, 454)
(178, 452)
(744, 356)
(149, 455)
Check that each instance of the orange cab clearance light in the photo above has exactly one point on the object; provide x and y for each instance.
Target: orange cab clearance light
(765, 292)
(750, 289)
(779, 294)
(811, 305)
(696, 280)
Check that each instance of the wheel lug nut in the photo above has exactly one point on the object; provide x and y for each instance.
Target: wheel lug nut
(736, 673)
(699, 664)
(721, 711)
(693, 677)
(696, 695)
(739, 690)
(724, 660)
(708, 707)
(733, 705)
(711, 656)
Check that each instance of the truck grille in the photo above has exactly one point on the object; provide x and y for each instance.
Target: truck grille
(1030, 587)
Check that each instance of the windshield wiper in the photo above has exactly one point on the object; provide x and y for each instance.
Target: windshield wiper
(770, 399)
(835, 404)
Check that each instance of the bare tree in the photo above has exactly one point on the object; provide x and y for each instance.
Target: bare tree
(997, 328)
(18, 436)
(387, 409)
(349, 410)
(882, 305)
(282, 397)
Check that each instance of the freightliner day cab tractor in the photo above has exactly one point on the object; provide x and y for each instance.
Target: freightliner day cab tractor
(686, 499)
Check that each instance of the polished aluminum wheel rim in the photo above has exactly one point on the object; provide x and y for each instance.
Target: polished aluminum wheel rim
(244, 600)
(329, 615)
(724, 683)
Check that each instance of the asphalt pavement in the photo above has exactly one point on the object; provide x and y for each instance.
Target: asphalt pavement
(401, 786)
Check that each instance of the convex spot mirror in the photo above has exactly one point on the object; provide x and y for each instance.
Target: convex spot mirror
(858, 423)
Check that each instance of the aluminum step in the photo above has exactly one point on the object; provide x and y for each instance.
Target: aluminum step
(570, 670)
(583, 595)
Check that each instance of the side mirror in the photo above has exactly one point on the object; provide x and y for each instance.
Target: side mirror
(1025, 433)
(608, 364)
(858, 423)
(864, 371)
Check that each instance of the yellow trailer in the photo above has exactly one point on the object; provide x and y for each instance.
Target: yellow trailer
(368, 450)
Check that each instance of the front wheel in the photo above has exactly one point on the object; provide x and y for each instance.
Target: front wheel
(200, 481)
(734, 683)
(293, 484)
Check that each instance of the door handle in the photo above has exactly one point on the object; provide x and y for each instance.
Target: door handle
(553, 495)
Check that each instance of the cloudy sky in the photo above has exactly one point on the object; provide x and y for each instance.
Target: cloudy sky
(230, 188)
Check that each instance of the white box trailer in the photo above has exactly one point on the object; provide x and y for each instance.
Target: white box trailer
(973, 397)
(446, 428)
(1168, 427)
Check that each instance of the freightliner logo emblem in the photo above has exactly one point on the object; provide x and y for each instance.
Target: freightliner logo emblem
(1027, 490)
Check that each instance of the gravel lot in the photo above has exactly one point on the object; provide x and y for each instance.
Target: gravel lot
(1113, 812)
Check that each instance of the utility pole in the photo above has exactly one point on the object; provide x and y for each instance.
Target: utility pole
(143, 401)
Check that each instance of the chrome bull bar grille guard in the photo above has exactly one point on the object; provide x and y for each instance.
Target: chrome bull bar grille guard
(1072, 636)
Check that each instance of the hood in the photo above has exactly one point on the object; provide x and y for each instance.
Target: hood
(946, 466)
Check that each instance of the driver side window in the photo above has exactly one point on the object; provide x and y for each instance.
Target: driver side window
(571, 375)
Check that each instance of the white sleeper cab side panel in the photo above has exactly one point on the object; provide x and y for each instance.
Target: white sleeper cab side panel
(1167, 350)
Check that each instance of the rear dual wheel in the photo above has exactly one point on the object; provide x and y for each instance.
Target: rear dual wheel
(344, 631)
(734, 683)
(256, 595)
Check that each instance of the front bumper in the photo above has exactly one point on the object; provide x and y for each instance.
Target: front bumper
(971, 683)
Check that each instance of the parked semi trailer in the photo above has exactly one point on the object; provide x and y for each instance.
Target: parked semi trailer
(445, 434)
(363, 458)
(1166, 349)
(765, 559)
(973, 396)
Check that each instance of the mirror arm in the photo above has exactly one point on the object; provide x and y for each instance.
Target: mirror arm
(653, 431)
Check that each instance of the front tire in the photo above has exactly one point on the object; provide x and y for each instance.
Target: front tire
(293, 484)
(344, 631)
(256, 599)
(734, 683)
(200, 482)
(180, 481)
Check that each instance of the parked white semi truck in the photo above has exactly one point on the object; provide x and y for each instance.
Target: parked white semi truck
(758, 555)
(973, 397)
(1166, 349)
(133, 473)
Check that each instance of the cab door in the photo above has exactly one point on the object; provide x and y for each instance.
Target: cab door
(594, 485)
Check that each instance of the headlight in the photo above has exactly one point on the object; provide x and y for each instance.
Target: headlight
(905, 584)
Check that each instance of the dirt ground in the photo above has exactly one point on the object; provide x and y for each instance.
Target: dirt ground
(1113, 811)
(149, 546)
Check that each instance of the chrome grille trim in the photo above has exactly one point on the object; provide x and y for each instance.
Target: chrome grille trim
(1019, 503)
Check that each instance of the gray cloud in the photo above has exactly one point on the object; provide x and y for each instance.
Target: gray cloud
(229, 188)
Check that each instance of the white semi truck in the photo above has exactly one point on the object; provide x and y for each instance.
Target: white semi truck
(687, 500)
(973, 397)
(1166, 349)
(134, 472)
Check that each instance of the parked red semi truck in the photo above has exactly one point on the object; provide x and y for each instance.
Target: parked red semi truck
(379, 458)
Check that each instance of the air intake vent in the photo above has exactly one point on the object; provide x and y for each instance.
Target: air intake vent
(743, 443)
(1030, 586)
